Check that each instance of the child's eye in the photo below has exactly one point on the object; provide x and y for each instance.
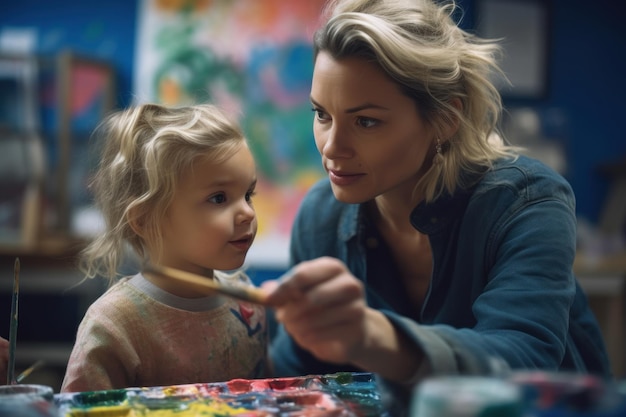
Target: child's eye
(217, 198)
(366, 122)
(249, 195)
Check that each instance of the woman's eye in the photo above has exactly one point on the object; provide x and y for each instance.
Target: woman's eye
(217, 199)
(366, 122)
(320, 114)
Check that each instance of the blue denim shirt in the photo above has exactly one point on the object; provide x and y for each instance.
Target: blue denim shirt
(502, 293)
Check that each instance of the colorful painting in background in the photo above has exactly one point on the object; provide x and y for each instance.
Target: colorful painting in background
(90, 86)
(338, 395)
(254, 58)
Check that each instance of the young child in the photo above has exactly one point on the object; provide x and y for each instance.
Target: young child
(176, 186)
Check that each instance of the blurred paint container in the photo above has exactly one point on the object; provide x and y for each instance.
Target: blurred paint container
(566, 393)
(27, 400)
(546, 390)
(465, 396)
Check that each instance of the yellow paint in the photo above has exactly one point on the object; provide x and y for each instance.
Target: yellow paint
(102, 411)
(194, 409)
(198, 409)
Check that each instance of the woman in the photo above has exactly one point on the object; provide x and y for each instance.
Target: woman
(432, 247)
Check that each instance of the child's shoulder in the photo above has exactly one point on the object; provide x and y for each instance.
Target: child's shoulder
(117, 295)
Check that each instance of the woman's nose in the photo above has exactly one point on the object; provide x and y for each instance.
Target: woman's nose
(335, 144)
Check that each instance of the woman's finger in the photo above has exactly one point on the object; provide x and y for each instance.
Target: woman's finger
(302, 278)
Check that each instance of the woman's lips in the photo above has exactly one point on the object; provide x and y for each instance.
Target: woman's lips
(343, 178)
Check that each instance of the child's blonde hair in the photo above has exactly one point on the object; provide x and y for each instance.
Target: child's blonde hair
(145, 150)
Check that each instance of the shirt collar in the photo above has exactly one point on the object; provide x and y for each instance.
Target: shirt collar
(428, 218)
(437, 215)
(349, 221)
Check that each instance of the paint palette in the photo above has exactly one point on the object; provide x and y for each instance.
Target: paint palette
(336, 395)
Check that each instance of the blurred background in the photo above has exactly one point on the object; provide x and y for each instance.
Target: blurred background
(65, 64)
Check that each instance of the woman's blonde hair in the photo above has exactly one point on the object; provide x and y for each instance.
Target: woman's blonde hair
(437, 64)
(145, 150)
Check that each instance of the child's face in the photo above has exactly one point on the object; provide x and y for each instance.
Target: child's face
(211, 223)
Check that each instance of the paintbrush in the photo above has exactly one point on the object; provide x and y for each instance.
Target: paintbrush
(241, 292)
(29, 370)
(13, 325)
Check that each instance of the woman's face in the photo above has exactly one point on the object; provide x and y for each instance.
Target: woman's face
(371, 136)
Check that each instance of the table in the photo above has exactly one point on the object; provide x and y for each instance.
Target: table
(603, 278)
(536, 393)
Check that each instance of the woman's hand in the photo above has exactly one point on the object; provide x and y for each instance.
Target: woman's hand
(322, 306)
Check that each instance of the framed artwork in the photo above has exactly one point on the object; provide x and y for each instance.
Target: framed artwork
(255, 59)
(84, 95)
(522, 27)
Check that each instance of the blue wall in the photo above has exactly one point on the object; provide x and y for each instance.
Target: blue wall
(103, 30)
(583, 107)
(586, 65)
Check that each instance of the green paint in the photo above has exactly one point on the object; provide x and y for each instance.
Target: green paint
(100, 398)
(344, 378)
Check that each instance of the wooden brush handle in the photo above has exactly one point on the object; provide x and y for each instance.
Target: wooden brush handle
(242, 292)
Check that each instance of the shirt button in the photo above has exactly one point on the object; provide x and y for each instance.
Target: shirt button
(371, 242)
(434, 220)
